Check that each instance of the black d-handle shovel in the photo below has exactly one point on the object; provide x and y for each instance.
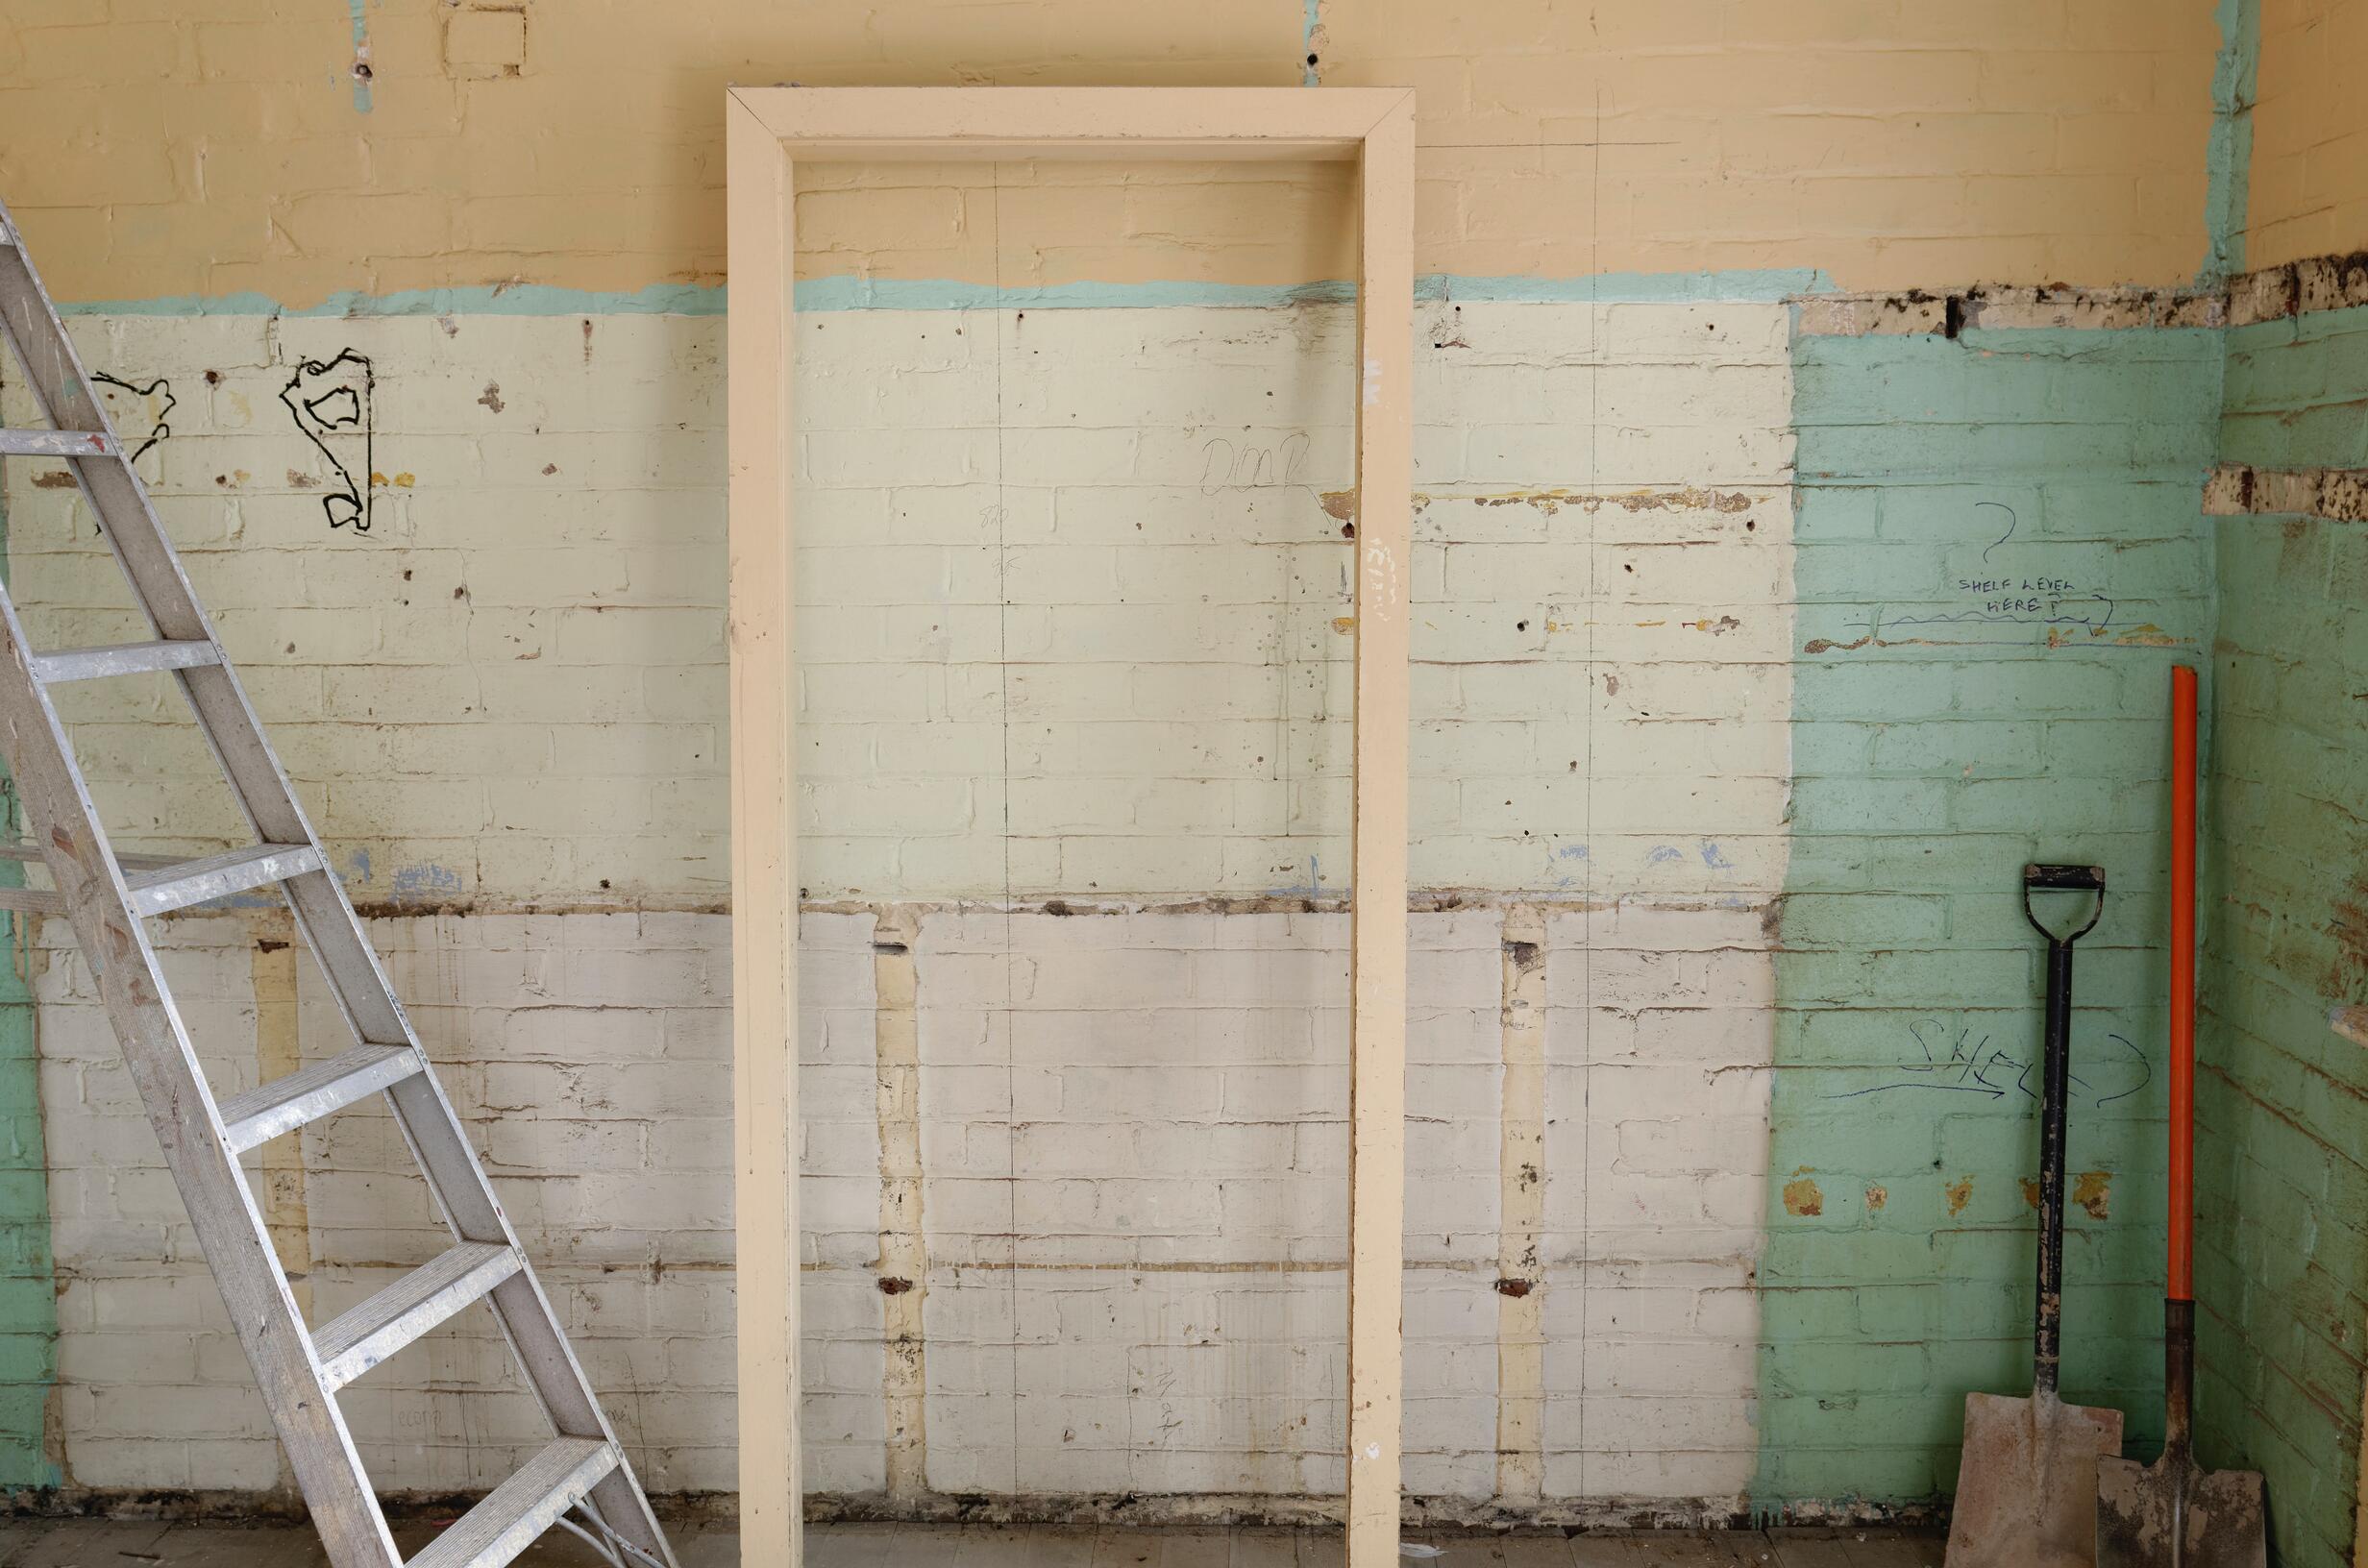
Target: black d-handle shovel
(2026, 1488)
(2055, 1098)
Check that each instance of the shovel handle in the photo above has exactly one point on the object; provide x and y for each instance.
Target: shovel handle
(2181, 1272)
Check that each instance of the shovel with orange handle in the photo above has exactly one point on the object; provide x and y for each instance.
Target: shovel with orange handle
(2173, 1514)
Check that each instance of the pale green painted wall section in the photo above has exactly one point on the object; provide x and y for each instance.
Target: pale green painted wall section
(2298, 392)
(1946, 734)
(27, 1273)
(28, 1281)
(2282, 1100)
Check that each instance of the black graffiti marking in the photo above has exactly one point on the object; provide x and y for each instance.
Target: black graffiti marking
(341, 408)
(160, 430)
(2011, 522)
(2093, 611)
(1963, 1063)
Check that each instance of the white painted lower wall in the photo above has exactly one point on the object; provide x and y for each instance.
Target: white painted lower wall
(1132, 1136)
(1073, 636)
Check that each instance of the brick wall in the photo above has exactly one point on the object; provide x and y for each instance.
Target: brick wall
(1072, 631)
(1990, 594)
(1696, 859)
(2309, 165)
(238, 150)
(2280, 1263)
(1132, 1227)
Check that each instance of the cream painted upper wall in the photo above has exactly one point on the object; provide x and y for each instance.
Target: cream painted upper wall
(164, 149)
(2309, 185)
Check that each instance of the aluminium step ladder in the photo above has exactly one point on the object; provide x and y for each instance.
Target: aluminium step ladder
(583, 1471)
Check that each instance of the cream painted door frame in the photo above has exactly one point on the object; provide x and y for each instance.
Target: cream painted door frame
(769, 132)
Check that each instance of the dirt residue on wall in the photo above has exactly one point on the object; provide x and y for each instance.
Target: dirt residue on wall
(2348, 926)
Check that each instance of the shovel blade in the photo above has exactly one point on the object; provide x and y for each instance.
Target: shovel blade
(2027, 1493)
(2226, 1524)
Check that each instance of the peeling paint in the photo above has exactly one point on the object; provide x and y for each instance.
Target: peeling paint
(1521, 1198)
(1957, 1194)
(903, 1251)
(363, 73)
(1803, 1196)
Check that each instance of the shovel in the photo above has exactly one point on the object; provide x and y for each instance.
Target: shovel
(2026, 1492)
(2171, 1513)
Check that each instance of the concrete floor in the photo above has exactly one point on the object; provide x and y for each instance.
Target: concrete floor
(90, 1544)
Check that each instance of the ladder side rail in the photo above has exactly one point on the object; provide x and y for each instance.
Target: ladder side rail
(58, 383)
(161, 587)
(158, 1053)
(527, 1319)
(324, 915)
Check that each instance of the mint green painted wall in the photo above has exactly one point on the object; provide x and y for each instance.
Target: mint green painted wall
(28, 1278)
(2282, 1100)
(2298, 392)
(1940, 742)
(28, 1272)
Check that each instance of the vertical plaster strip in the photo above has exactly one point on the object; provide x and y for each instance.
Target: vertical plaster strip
(278, 1053)
(903, 1261)
(1520, 1305)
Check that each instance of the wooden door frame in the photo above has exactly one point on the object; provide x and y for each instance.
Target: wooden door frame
(769, 132)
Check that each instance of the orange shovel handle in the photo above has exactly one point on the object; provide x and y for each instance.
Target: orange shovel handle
(2183, 985)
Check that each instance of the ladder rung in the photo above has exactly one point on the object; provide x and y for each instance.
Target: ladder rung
(26, 854)
(355, 1342)
(260, 1114)
(122, 659)
(43, 900)
(217, 876)
(56, 444)
(522, 1508)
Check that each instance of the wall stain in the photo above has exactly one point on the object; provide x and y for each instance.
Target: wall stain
(1959, 1193)
(1802, 1194)
(2093, 1191)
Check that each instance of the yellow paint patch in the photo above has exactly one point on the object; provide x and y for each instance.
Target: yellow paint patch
(580, 147)
(2030, 1191)
(1877, 1196)
(2093, 1191)
(2308, 195)
(1958, 1193)
(1803, 1196)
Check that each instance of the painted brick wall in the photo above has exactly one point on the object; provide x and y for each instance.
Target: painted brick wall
(2282, 1155)
(2309, 163)
(1095, 656)
(238, 149)
(1075, 588)
(1131, 1131)
(1129, 604)
(1989, 599)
